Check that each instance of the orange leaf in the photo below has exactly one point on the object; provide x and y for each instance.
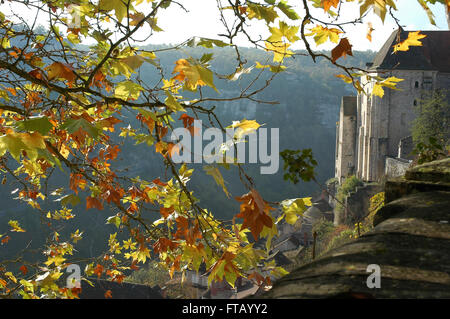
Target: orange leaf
(92, 202)
(24, 269)
(98, 270)
(108, 294)
(187, 120)
(255, 212)
(369, 31)
(157, 181)
(341, 50)
(165, 212)
(58, 70)
(326, 4)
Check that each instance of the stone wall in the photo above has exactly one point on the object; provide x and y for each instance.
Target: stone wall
(396, 167)
(357, 204)
(346, 138)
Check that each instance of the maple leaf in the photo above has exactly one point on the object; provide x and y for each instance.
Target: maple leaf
(187, 120)
(119, 7)
(128, 90)
(323, 34)
(98, 270)
(162, 244)
(108, 294)
(15, 226)
(327, 4)
(215, 173)
(284, 31)
(379, 7)
(255, 212)
(341, 50)
(412, 40)
(192, 75)
(23, 269)
(58, 70)
(369, 31)
(280, 51)
(92, 202)
(244, 127)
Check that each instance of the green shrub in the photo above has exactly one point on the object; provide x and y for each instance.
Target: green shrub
(349, 185)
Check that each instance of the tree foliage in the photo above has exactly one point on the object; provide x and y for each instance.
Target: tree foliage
(63, 102)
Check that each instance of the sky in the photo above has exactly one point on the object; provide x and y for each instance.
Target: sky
(202, 20)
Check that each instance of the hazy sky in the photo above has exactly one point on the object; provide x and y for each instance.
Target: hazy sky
(202, 19)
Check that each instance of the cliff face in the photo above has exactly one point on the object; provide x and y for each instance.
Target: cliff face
(410, 243)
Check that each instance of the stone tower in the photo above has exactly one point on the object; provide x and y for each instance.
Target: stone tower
(364, 144)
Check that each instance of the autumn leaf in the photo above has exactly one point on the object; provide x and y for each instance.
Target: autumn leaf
(280, 51)
(128, 90)
(283, 31)
(15, 226)
(23, 269)
(244, 127)
(92, 202)
(193, 75)
(369, 31)
(341, 50)
(323, 34)
(327, 4)
(379, 7)
(255, 212)
(119, 7)
(108, 294)
(58, 70)
(390, 82)
(98, 270)
(261, 12)
(412, 40)
(215, 173)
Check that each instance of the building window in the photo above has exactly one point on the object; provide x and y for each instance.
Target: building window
(415, 102)
(416, 85)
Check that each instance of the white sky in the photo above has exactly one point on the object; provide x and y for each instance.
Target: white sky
(202, 20)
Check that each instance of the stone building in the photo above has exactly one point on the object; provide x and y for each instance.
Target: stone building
(371, 129)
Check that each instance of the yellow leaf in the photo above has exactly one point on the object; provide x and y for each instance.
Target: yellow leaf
(412, 40)
(280, 51)
(215, 173)
(323, 34)
(244, 127)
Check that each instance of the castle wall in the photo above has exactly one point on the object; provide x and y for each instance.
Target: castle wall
(345, 159)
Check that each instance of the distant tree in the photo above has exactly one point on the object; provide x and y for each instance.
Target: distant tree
(433, 119)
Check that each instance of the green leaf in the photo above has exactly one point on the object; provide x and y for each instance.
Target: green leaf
(215, 173)
(39, 124)
(118, 6)
(114, 220)
(128, 89)
(287, 10)
(172, 103)
(69, 199)
(73, 125)
(293, 209)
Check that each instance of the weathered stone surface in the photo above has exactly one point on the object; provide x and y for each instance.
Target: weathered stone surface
(410, 243)
(429, 177)
(437, 171)
(432, 206)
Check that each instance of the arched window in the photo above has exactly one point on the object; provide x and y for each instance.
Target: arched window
(415, 102)
(416, 85)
